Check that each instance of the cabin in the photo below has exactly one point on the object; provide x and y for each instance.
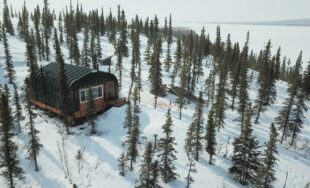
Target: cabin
(104, 89)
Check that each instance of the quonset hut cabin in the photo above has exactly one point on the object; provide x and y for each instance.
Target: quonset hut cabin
(104, 89)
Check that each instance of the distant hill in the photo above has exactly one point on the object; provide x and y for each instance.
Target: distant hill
(296, 22)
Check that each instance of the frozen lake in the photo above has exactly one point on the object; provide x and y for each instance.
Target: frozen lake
(292, 39)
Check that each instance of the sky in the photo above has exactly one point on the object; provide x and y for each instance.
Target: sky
(195, 10)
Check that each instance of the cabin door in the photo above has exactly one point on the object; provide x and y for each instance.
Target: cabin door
(110, 91)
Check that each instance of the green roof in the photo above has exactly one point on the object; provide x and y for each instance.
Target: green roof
(73, 72)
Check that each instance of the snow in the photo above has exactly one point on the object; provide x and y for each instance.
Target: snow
(99, 166)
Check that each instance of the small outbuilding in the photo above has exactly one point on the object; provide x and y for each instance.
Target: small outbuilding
(104, 89)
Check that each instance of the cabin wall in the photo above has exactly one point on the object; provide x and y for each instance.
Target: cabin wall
(99, 103)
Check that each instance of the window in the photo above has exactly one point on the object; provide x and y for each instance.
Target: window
(97, 92)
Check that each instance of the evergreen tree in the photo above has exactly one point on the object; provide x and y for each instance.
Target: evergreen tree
(7, 23)
(166, 152)
(47, 19)
(145, 170)
(235, 74)
(74, 51)
(38, 40)
(9, 67)
(154, 175)
(211, 137)
(191, 170)
(148, 52)
(31, 54)
(218, 43)
(194, 137)
(277, 65)
(93, 51)
(122, 164)
(181, 99)
(265, 82)
(284, 117)
(23, 22)
(34, 142)
(65, 101)
(136, 59)
(86, 55)
(91, 112)
(128, 123)
(266, 173)
(306, 81)
(245, 157)
(177, 62)
(155, 75)
(210, 87)
(297, 114)
(133, 136)
(18, 109)
(9, 163)
(243, 83)
(123, 36)
(168, 31)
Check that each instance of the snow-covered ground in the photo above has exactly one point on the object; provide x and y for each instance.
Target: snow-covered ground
(100, 152)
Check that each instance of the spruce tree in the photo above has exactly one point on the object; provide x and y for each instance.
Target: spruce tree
(18, 116)
(235, 74)
(86, 55)
(191, 170)
(277, 65)
(168, 60)
(9, 163)
(128, 123)
(306, 81)
(177, 62)
(132, 139)
(11, 74)
(297, 114)
(181, 98)
(246, 155)
(91, 112)
(210, 88)
(47, 19)
(263, 81)
(266, 173)
(123, 36)
(23, 22)
(155, 75)
(243, 83)
(65, 100)
(211, 137)
(7, 23)
(9, 67)
(34, 142)
(154, 175)
(285, 114)
(167, 152)
(194, 137)
(93, 51)
(145, 170)
(31, 57)
(122, 164)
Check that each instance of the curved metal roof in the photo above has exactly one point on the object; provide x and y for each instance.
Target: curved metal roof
(73, 72)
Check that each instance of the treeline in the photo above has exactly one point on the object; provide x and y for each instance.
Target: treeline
(233, 69)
